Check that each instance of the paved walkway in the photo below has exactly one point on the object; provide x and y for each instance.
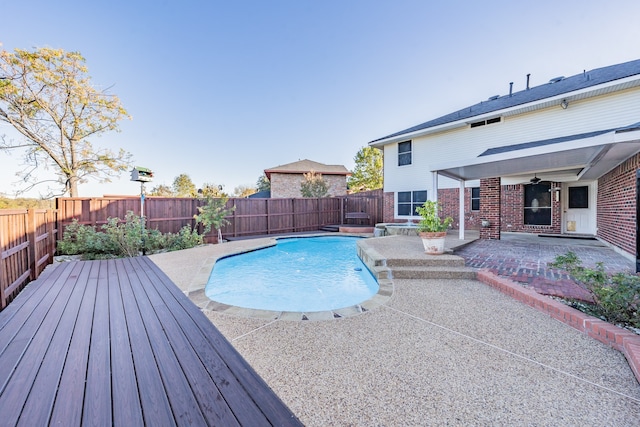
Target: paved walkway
(524, 258)
(439, 352)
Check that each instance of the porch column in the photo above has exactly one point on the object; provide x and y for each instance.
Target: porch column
(434, 186)
(490, 208)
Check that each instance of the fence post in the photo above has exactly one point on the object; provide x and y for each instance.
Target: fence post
(31, 237)
(293, 214)
(51, 234)
(3, 282)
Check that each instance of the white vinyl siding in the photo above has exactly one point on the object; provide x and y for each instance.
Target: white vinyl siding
(598, 113)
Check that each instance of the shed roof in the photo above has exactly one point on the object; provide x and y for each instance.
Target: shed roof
(305, 166)
(554, 88)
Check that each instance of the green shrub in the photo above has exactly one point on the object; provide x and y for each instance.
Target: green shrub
(616, 296)
(184, 239)
(80, 239)
(128, 238)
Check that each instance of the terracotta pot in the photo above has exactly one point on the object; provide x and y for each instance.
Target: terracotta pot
(433, 242)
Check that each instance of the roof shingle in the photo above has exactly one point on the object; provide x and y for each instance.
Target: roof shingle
(555, 87)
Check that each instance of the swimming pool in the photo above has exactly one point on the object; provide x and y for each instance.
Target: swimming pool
(297, 274)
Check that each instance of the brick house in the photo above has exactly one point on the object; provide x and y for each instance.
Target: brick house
(286, 179)
(559, 158)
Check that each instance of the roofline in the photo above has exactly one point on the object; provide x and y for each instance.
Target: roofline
(268, 172)
(588, 92)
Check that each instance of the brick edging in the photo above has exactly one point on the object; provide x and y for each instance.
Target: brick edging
(622, 340)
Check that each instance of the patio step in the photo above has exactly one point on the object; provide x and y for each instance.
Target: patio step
(415, 265)
(422, 273)
(427, 261)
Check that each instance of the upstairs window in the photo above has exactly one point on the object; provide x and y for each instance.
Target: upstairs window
(485, 122)
(408, 201)
(475, 198)
(404, 153)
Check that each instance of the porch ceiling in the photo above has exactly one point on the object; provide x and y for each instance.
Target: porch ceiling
(570, 159)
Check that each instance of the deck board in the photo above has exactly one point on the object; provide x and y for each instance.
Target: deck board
(68, 406)
(117, 343)
(97, 394)
(45, 385)
(24, 353)
(124, 386)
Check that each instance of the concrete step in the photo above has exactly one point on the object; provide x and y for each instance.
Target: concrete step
(427, 261)
(433, 273)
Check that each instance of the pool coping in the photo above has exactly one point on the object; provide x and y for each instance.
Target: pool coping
(196, 291)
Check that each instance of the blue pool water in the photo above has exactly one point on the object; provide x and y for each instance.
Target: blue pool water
(298, 274)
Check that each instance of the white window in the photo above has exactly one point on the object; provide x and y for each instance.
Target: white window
(408, 201)
(475, 198)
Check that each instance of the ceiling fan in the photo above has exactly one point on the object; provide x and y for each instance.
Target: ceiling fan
(535, 179)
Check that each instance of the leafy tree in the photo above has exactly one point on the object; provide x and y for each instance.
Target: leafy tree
(184, 187)
(263, 183)
(243, 191)
(25, 203)
(211, 191)
(161, 190)
(214, 215)
(367, 174)
(48, 98)
(314, 185)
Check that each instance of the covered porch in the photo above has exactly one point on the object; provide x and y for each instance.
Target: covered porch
(567, 168)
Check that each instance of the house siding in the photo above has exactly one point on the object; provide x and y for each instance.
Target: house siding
(616, 216)
(287, 185)
(597, 113)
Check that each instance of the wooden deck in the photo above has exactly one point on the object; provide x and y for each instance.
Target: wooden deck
(116, 343)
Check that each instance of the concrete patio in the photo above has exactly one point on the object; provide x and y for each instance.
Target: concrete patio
(437, 352)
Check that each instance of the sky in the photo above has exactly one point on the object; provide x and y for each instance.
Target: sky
(222, 90)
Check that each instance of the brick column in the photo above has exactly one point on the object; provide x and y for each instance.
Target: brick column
(490, 208)
(388, 207)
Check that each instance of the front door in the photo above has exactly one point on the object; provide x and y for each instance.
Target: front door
(579, 208)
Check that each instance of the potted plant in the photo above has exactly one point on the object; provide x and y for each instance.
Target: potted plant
(431, 229)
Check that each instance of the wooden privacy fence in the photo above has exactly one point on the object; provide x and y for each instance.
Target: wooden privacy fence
(28, 244)
(250, 217)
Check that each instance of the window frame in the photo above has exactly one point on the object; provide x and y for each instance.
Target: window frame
(414, 201)
(405, 154)
(474, 199)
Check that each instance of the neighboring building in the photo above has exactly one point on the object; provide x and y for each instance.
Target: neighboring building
(264, 194)
(286, 179)
(558, 158)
